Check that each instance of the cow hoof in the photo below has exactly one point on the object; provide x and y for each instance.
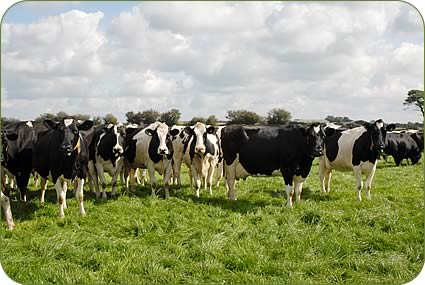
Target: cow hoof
(11, 227)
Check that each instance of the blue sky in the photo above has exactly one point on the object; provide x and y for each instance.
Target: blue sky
(204, 58)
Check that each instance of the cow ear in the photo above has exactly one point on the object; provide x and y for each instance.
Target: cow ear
(174, 132)
(12, 136)
(149, 132)
(86, 125)
(391, 127)
(367, 125)
(211, 130)
(50, 124)
(188, 130)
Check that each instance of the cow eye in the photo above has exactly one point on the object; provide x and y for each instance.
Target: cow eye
(75, 132)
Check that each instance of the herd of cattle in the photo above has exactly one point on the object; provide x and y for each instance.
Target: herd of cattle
(75, 151)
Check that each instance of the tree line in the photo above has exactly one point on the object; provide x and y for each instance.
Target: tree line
(276, 116)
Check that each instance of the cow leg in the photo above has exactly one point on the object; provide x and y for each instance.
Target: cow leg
(325, 175)
(43, 186)
(80, 196)
(131, 178)
(5, 204)
(368, 182)
(219, 173)
(60, 195)
(230, 179)
(152, 178)
(359, 183)
(210, 176)
(93, 177)
(65, 188)
(288, 178)
(117, 172)
(36, 178)
(298, 187)
(22, 183)
(101, 175)
(167, 178)
(197, 180)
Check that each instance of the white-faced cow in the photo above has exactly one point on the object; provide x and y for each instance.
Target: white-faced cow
(61, 154)
(262, 150)
(151, 149)
(355, 150)
(18, 140)
(402, 146)
(106, 154)
(201, 154)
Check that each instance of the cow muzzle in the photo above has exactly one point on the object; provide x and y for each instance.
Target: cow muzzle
(67, 149)
(163, 151)
(200, 150)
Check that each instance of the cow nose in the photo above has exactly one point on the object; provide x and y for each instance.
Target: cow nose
(200, 149)
(67, 148)
(163, 151)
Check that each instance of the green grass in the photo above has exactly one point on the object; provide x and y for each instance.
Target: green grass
(134, 239)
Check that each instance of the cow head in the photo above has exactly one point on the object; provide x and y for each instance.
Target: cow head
(378, 134)
(114, 135)
(315, 139)
(68, 130)
(200, 131)
(160, 136)
(5, 138)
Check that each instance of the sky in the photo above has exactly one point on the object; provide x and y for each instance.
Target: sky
(314, 59)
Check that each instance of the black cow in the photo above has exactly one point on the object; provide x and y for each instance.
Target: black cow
(402, 146)
(355, 150)
(106, 154)
(18, 140)
(62, 154)
(261, 150)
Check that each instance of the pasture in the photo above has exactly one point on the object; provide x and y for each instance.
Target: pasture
(134, 239)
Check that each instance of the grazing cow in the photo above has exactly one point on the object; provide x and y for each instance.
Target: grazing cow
(201, 154)
(61, 154)
(106, 152)
(18, 141)
(262, 150)
(402, 146)
(355, 150)
(151, 149)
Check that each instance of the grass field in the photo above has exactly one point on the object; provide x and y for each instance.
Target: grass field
(134, 239)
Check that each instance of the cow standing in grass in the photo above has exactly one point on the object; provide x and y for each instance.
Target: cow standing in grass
(354, 150)
(262, 150)
(106, 155)
(61, 154)
(179, 138)
(151, 149)
(402, 146)
(201, 155)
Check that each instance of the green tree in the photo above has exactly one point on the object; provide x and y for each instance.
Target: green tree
(243, 117)
(278, 116)
(195, 120)
(110, 119)
(170, 117)
(212, 120)
(134, 118)
(150, 116)
(97, 120)
(415, 98)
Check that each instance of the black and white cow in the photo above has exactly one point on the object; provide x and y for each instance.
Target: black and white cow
(402, 146)
(61, 154)
(18, 140)
(201, 155)
(151, 149)
(262, 150)
(179, 138)
(106, 154)
(355, 150)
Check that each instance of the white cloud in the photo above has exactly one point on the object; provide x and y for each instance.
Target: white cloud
(314, 59)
